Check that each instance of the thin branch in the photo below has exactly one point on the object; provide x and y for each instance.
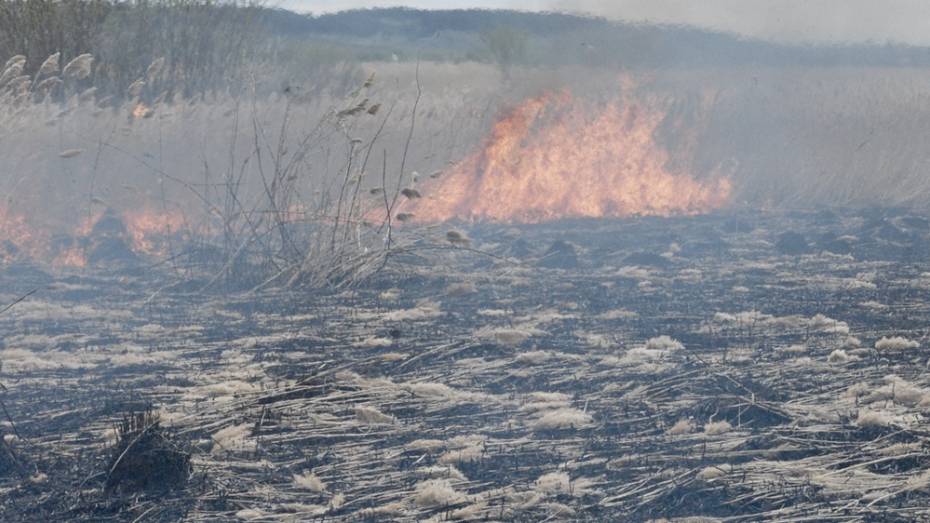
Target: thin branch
(18, 300)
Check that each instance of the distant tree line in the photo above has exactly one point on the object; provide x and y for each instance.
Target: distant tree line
(559, 38)
(212, 44)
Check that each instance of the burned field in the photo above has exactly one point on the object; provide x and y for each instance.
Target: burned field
(738, 366)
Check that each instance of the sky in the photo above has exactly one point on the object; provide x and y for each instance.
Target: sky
(822, 21)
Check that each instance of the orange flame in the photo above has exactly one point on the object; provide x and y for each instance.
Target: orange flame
(22, 241)
(140, 110)
(149, 229)
(548, 159)
(70, 257)
(17, 237)
(146, 232)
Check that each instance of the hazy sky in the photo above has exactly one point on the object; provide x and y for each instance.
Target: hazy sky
(785, 20)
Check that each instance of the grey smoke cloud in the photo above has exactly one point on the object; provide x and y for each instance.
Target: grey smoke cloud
(822, 21)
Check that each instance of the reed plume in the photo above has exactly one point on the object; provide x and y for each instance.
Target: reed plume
(50, 66)
(79, 68)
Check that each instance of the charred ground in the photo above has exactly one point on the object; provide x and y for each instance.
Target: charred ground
(742, 365)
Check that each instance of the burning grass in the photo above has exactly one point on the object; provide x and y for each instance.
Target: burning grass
(555, 156)
(215, 186)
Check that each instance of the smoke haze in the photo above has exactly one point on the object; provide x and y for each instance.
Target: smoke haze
(817, 21)
(822, 21)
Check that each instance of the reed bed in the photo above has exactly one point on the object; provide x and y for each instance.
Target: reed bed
(276, 184)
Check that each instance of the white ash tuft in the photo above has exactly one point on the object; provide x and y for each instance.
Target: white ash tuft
(564, 418)
(715, 428)
(664, 343)
(309, 481)
(895, 343)
(715, 472)
(436, 493)
(873, 418)
(372, 416)
(682, 426)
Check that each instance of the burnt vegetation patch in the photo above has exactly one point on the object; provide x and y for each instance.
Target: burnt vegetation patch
(504, 391)
(146, 456)
(10, 464)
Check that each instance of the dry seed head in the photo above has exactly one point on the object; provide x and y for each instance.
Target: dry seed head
(10, 72)
(49, 83)
(22, 98)
(80, 67)
(20, 82)
(49, 66)
(135, 88)
(18, 59)
(87, 94)
(160, 98)
(155, 68)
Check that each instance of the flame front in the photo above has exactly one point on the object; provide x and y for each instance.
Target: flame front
(18, 237)
(143, 231)
(151, 230)
(550, 158)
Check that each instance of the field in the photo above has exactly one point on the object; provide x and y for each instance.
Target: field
(741, 365)
(390, 265)
(796, 137)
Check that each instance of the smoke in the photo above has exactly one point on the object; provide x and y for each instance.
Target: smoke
(812, 21)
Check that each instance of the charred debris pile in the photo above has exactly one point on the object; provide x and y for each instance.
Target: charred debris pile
(740, 365)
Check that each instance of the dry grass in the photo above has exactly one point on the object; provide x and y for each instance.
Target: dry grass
(259, 177)
(255, 175)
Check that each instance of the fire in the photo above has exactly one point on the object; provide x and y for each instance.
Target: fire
(144, 231)
(149, 230)
(17, 237)
(557, 156)
(140, 110)
(70, 257)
